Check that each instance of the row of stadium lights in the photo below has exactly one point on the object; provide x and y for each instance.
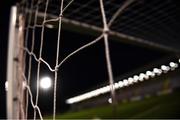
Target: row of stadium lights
(126, 82)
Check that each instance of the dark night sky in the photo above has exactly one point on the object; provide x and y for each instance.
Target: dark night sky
(83, 71)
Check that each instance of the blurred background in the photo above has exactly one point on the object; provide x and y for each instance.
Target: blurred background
(144, 49)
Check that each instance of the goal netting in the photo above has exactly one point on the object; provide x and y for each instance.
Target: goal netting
(142, 22)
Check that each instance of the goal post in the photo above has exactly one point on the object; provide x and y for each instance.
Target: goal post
(12, 85)
(15, 92)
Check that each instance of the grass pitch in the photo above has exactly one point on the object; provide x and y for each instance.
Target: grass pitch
(160, 107)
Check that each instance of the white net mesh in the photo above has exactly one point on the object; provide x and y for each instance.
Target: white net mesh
(57, 66)
(133, 20)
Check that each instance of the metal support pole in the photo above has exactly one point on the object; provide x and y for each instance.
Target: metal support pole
(15, 66)
(12, 99)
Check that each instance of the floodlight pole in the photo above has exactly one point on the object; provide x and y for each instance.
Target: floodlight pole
(14, 78)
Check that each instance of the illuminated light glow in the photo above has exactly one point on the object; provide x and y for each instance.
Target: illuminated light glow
(136, 78)
(142, 76)
(110, 100)
(130, 80)
(45, 82)
(146, 77)
(173, 65)
(106, 89)
(179, 60)
(157, 71)
(148, 73)
(24, 85)
(165, 68)
(151, 74)
(88, 95)
(20, 28)
(116, 85)
(49, 26)
(125, 82)
(121, 84)
(6, 85)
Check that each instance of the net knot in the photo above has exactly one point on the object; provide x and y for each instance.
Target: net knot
(61, 15)
(106, 30)
(56, 68)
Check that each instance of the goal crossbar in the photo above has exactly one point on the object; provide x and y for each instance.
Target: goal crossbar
(75, 25)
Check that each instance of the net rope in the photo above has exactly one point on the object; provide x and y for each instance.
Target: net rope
(39, 62)
(158, 14)
(107, 24)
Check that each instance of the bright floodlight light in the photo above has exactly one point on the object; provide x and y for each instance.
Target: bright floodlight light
(173, 65)
(136, 78)
(45, 82)
(49, 26)
(121, 84)
(125, 82)
(157, 71)
(151, 74)
(146, 77)
(110, 100)
(6, 85)
(165, 68)
(142, 76)
(116, 85)
(130, 80)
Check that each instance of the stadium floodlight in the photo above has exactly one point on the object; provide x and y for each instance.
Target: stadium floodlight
(130, 80)
(125, 82)
(136, 78)
(45, 83)
(116, 85)
(157, 71)
(165, 68)
(142, 76)
(121, 84)
(146, 77)
(50, 26)
(6, 85)
(151, 74)
(110, 100)
(105, 89)
(173, 65)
